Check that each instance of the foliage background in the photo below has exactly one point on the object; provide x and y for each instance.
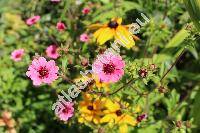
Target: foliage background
(163, 39)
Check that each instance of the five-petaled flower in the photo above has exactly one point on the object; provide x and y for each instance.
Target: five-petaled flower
(42, 71)
(109, 67)
(86, 10)
(52, 51)
(84, 37)
(32, 20)
(17, 55)
(60, 26)
(67, 112)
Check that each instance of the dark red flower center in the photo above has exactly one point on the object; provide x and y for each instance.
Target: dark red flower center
(143, 73)
(108, 68)
(112, 24)
(43, 72)
(90, 107)
(33, 20)
(65, 110)
(17, 55)
(61, 26)
(54, 50)
(118, 112)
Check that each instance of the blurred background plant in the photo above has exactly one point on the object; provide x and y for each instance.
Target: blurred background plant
(170, 101)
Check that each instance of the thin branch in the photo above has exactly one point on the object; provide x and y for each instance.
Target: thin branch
(177, 60)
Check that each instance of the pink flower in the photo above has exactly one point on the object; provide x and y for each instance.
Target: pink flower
(55, 0)
(52, 52)
(17, 55)
(32, 20)
(109, 67)
(86, 10)
(60, 26)
(84, 37)
(67, 112)
(42, 71)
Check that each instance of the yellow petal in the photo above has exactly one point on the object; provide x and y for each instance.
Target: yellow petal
(105, 35)
(119, 21)
(130, 120)
(96, 120)
(123, 128)
(98, 32)
(85, 110)
(88, 118)
(80, 120)
(124, 36)
(107, 118)
(94, 26)
(137, 109)
(112, 106)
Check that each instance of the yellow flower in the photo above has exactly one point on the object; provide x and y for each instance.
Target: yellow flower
(113, 29)
(100, 85)
(115, 115)
(94, 83)
(91, 109)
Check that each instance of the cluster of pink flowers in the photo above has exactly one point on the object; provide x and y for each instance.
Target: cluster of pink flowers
(42, 71)
(109, 67)
(17, 55)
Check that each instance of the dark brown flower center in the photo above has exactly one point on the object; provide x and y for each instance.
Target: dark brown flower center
(43, 72)
(108, 68)
(118, 113)
(112, 24)
(90, 107)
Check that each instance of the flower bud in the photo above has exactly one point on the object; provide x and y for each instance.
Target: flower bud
(178, 124)
(162, 89)
(141, 117)
(84, 62)
(143, 72)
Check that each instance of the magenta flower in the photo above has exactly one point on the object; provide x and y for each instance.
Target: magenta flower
(32, 20)
(42, 71)
(86, 10)
(60, 26)
(17, 55)
(84, 37)
(67, 112)
(109, 67)
(52, 52)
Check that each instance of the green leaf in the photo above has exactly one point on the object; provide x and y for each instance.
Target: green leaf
(178, 39)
